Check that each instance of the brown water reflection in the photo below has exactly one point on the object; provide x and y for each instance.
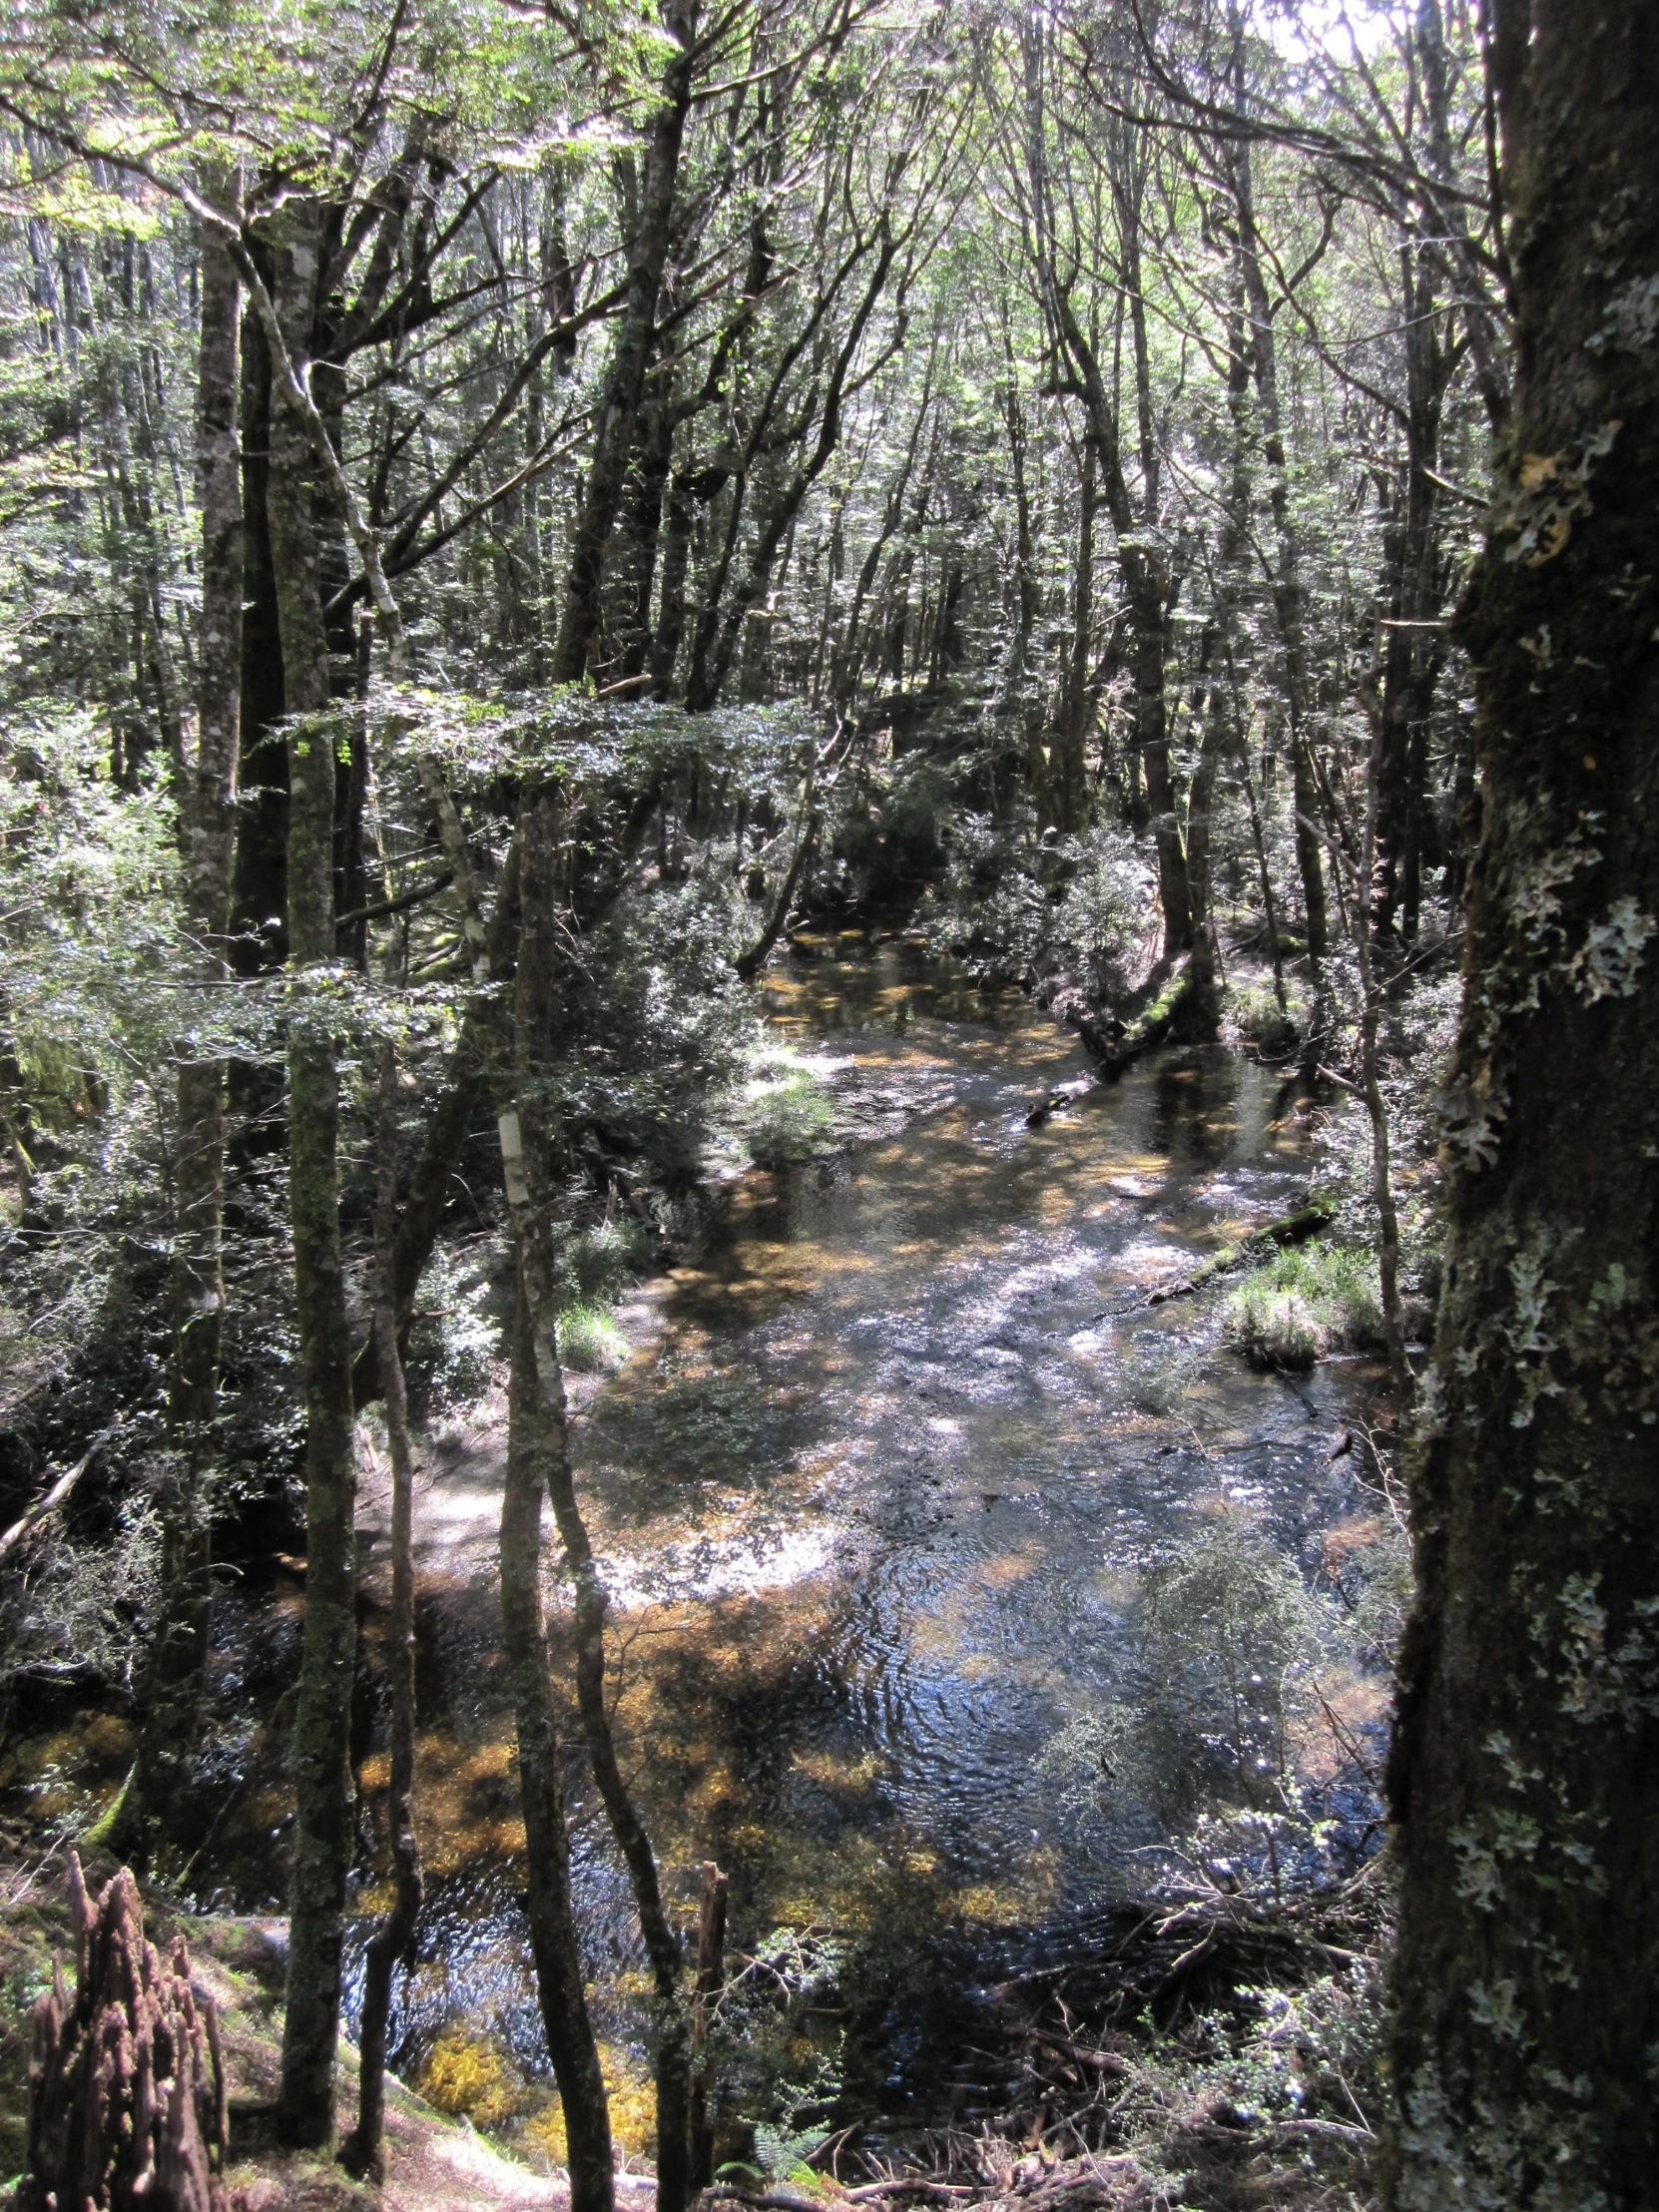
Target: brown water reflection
(875, 1495)
(871, 1497)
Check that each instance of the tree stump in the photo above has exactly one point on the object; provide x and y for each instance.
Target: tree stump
(126, 2086)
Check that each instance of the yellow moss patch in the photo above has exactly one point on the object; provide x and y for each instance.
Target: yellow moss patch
(633, 2103)
(465, 2074)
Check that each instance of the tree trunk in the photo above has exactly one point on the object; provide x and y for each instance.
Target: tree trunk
(524, 1155)
(1070, 759)
(391, 1938)
(559, 1988)
(711, 1978)
(619, 406)
(158, 1792)
(1524, 1781)
(1412, 655)
(321, 1730)
(1288, 603)
(259, 910)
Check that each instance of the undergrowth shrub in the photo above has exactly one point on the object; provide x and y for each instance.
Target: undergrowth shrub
(1320, 1298)
(1254, 1012)
(784, 1112)
(590, 1343)
(604, 1256)
(457, 1337)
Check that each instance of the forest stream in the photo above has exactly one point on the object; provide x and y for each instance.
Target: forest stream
(872, 1494)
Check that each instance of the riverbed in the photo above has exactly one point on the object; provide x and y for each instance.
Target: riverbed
(873, 1495)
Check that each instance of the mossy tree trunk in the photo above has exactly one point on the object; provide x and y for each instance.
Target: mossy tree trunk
(321, 1730)
(1526, 1781)
(158, 1796)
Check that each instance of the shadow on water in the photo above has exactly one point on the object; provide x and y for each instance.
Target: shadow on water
(874, 1496)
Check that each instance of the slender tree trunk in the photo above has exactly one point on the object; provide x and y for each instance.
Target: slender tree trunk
(1287, 601)
(524, 1154)
(1413, 654)
(159, 1791)
(553, 1939)
(321, 1730)
(391, 1938)
(1524, 1781)
(703, 686)
(671, 602)
(711, 1976)
(260, 889)
(1371, 1086)
(1071, 762)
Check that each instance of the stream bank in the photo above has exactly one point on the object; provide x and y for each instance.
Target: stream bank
(877, 1495)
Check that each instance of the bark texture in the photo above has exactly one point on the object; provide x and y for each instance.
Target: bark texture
(1525, 1781)
(321, 1729)
(157, 1792)
(553, 1941)
(126, 2087)
(392, 1936)
(525, 1150)
(618, 423)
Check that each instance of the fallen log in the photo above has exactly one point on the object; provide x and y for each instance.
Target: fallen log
(44, 1507)
(1064, 1095)
(1171, 999)
(1274, 1236)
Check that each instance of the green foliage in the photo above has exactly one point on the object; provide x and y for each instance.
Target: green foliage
(456, 1339)
(603, 1256)
(778, 2061)
(784, 1111)
(1229, 1636)
(1254, 1012)
(588, 1341)
(85, 1601)
(1031, 907)
(1315, 1299)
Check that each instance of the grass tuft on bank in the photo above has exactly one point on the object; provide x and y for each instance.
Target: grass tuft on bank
(1305, 1302)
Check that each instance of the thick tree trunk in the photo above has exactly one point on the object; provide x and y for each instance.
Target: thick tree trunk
(1525, 1775)
(619, 406)
(321, 1730)
(157, 1792)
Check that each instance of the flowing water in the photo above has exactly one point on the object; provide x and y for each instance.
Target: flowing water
(872, 1496)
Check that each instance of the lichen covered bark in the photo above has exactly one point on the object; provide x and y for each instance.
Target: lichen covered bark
(1524, 1783)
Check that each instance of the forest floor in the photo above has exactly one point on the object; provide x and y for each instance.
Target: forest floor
(434, 2164)
(1198, 2154)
